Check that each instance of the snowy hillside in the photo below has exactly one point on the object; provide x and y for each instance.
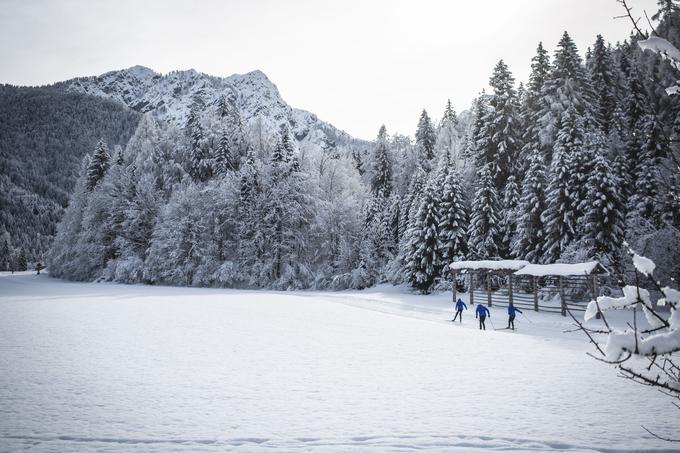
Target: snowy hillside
(170, 97)
(107, 367)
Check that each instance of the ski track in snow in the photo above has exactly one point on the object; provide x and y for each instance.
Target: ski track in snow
(105, 367)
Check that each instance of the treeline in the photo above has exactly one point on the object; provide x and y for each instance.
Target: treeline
(564, 168)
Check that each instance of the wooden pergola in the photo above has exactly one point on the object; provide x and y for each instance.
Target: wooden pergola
(590, 270)
(515, 270)
(471, 268)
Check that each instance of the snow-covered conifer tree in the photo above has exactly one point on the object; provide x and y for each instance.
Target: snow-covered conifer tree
(484, 228)
(531, 109)
(509, 215)
(529, 239)
(224, 157)
(422, 263)
(562, 211)
(452, 228)
(601, 70)
(425, 140)
(500, 131)
(200, 163)
(99, 164)
(447, 135)
(380, 167)
(603, 220)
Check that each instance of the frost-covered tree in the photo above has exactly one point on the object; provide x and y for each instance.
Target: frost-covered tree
(225, 160)
(61, 259)
(283, 152)
(568, 87)
(175, 253)
(532, 108)
(447, 135)
(200, 164)
(251, 241)
(422, 262)
(223, 109)
(380, 166)
(530, 236)
(450, 114)
(99, 164)
(389, 227)
(453, 216)
(287, 208)
(484, 228)
(500, 141)
(562, 211)
(103, 221)
(601, 70)
(410, 202)
(509, 216)
(603, 219)
(425, 140)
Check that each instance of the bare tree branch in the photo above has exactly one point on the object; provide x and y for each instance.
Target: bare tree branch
(667, 439)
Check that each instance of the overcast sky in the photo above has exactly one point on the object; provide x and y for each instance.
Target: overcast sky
(355, 63)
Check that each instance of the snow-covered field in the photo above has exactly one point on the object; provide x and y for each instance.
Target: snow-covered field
(106, 367)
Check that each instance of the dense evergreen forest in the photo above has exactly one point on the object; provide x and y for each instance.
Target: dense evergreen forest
(44, 134)
(565, 166)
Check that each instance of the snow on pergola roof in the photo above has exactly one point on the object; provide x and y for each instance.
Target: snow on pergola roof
(521, 267)
(504, 265)
(562, 269)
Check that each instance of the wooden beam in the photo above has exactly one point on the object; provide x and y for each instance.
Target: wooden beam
(535, 280)
(510, 288)
(596, 292)
(453, 287)
(488, 288)
(563, 302)
(472, 287)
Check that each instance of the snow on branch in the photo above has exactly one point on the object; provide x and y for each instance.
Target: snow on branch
(666, 50)
(660, 46)
(645, 266)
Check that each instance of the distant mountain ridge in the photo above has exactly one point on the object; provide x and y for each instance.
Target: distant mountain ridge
(170, 97)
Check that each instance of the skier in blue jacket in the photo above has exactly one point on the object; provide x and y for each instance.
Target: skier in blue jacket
(459, 310)
(482, 312)
(512, 311)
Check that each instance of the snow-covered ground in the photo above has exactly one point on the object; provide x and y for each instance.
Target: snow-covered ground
(107, 367)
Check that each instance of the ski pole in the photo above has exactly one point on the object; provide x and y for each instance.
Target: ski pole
(525, 317)
(492, 326)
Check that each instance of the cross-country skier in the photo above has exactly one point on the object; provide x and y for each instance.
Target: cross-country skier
(512, 311)
(459, 310)
(482, 312)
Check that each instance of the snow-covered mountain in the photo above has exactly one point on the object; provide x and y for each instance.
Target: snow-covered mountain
(170, 97)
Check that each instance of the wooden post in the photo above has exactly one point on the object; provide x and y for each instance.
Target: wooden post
(453, 287)
(472, 287)
(596, 292)
(488, 288)
(564, 304)
(510, 288)
(535, 279)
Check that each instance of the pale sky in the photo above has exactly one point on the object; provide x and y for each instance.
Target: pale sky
(355, 63)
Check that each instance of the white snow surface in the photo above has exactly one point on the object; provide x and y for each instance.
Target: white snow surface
(489, 264)
(105, 367)
(558, 269)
